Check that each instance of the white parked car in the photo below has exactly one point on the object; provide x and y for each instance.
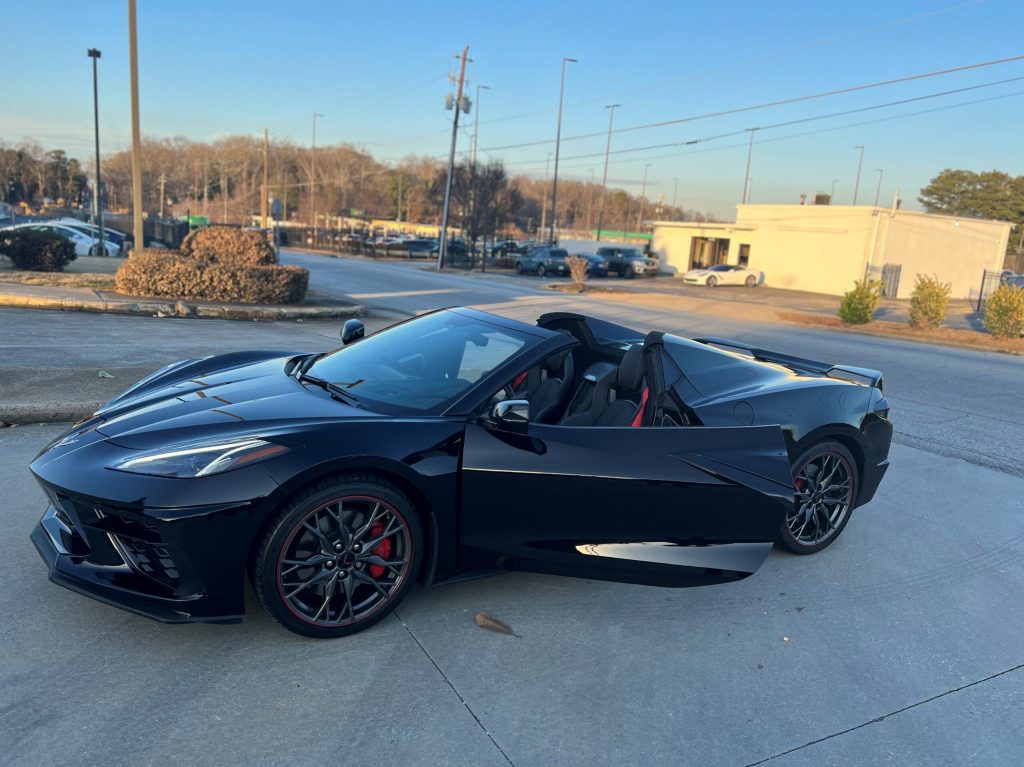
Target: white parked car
(724, 274)
(85, 244)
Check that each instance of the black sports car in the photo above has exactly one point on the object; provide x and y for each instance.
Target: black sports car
(450, 444)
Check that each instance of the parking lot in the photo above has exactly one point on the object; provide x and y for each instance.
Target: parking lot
(897, 645)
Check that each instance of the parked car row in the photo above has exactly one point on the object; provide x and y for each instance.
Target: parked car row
(85, 237)
(623, 261)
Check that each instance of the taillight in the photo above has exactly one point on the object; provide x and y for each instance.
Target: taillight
(882, 408)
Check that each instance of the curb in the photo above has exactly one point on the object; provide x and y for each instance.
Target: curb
(182, 308)
(52, 412)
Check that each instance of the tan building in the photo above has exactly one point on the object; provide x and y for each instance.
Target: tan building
(824, 248)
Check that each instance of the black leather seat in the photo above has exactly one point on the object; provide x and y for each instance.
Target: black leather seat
(551, 386)
(609, 395)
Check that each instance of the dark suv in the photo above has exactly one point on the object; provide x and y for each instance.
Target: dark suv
(542, 260)
(628, 262)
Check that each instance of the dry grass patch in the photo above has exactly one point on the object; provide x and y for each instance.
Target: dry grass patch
(58, 279)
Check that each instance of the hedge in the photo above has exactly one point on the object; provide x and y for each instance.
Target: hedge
(33, 251)
(228, 245)
(171, 275)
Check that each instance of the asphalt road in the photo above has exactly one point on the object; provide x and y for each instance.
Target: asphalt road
(898, 645)
(952, 402)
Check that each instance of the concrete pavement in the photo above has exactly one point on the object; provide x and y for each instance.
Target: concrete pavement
(898, 645)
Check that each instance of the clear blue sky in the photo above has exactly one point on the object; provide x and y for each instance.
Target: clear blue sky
(378, 72)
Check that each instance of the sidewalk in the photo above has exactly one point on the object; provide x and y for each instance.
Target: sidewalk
(111, 302)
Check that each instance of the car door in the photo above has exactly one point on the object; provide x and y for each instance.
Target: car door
(672, 506)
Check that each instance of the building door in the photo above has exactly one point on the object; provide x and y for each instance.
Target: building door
(744, 259)
(708, 251)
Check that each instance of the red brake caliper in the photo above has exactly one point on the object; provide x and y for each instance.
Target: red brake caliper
(382, 550)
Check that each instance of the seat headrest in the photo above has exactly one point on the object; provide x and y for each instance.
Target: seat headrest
(555, 364)
(631, 369)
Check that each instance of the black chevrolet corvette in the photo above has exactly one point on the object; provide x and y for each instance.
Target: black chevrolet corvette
(451, 444)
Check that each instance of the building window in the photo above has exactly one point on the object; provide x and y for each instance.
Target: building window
(744, 255)
(708, 251)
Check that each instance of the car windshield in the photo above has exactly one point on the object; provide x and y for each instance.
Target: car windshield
(720, 268)
(420, 365)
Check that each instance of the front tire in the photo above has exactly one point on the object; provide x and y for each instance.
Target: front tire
(712, 281)
(519, 268)
(826, 482)
(541, 271)
(630, 273)
(339, 556)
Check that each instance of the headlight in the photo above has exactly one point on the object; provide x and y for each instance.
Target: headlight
(201, 460)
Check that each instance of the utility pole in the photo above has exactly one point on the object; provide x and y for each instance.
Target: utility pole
(590, 201)
(604, 179)
(746, 173)
(139, 239)
(224, 193)
(163, 182)
(544, 197)
(266, 178)
(856, 185)
(312, 178)
(832, 197)
(675, 195)
(97, 202)
(476, 121)
(643, 196)
(558, 146)
(878, 189)
(206, 187)
(442, 249)
(195, 187)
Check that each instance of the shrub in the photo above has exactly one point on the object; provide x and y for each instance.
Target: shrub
(170, 275)
(858, 305)
(1004, 312)
(37, 251)
(578, 266)
(929, 301)
(228, 245)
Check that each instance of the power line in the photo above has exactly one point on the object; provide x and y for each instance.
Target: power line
(798, 121)
(776, 103)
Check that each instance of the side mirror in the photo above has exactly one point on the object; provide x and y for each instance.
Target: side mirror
(512, 415)
(352, 331)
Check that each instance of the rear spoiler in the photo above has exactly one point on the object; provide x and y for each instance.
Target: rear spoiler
(849, 373)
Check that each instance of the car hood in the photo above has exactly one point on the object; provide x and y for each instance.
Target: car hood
(697, 272)
(236, 394)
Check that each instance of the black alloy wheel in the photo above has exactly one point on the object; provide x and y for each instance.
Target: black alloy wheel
(541, 271)
(826, 483)
(339, 557)
(751, 281)
(712, 281)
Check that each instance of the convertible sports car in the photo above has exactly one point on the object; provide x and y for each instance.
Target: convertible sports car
(447, 445)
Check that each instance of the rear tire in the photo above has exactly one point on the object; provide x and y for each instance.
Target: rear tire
(339, 556)
(820, 513)
(541, 271)
(519, 268)
(751, 281)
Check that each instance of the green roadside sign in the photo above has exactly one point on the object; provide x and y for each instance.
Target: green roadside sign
(194, 221)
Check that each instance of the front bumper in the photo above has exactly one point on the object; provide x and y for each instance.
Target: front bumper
(180, 566)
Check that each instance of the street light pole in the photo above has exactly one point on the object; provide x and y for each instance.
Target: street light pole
(476, 121)
(312, 178)
(97, 203)
(832, 197)
(856, 184)
(442, 248)
(643, 196)
(675, 194)
(878, 189)
(558, 144)
(746, 173)
(604, 179)
(139, 240)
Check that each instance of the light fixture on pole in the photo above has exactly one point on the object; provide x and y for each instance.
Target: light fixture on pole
(312, 179)
(476, 120)
(97, 201)
(558, 144)
(856, 184)
(878, 189)
(643, 195)
(604, 179)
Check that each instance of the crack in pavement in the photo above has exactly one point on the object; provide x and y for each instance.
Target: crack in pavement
(883, 717)
(451, 686)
